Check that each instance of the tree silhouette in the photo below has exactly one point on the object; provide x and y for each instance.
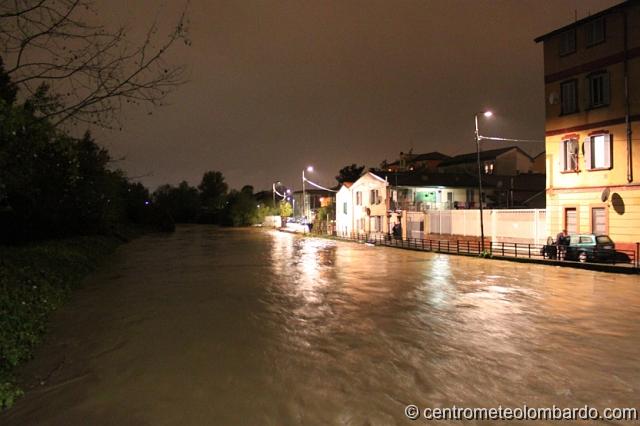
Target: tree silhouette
(349, 173)
(89, 70)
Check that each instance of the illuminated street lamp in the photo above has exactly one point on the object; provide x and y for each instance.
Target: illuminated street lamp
(304, 193)
(478, 138)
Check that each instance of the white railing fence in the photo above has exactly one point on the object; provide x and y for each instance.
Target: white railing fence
(526, 225)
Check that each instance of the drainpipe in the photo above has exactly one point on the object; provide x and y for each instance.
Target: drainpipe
(627, 102)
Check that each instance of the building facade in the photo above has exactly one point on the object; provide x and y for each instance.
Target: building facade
(592, 88)
(361, 208)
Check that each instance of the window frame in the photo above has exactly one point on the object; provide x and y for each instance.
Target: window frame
(576, 106)
(603, 208)
(563, 53)
(588, 28)
(590, 152)
(605, 89)
(564, 158)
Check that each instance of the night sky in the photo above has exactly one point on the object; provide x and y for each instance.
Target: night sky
(277, 85)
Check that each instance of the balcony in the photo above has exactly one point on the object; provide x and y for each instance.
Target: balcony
(413, 206)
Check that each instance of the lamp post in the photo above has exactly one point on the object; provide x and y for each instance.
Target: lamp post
(274, 191)
(478, 138)
(304, 193)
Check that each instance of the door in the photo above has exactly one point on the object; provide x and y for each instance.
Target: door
(571, 220)
(598, 221)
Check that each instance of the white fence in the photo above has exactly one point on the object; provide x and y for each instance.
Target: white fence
(526, 226)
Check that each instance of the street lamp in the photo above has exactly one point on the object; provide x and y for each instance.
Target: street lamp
(304, 193)
(278, 183)
(486, 114)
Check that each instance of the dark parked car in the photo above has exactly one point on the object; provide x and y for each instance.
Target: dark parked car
(586, 248)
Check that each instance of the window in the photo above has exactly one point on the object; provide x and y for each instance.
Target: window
(567, 42)
(344, 207)
(595, 32)
(362, 222)
(470, 196)
(571, 220)
(377, 224)
(358, 198)
(488, 167)
(598, 221)
(569, 97)
(569, 155)
(598, 89)
(597, 152)
(374, 198)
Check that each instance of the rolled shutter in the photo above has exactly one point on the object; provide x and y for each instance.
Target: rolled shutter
(586, 149)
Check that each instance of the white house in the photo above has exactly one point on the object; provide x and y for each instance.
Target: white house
(362, 206)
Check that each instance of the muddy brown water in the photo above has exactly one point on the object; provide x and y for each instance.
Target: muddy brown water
(231, 327)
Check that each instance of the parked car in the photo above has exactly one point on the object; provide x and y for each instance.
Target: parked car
(586, 248)
(593, 248)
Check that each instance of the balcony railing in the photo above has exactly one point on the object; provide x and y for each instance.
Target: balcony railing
(428, 206)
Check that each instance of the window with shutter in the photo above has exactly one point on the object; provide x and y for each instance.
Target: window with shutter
(569, 97)
(569, 155)
(595, 32)
(567, 43)
(598, 221)
(599, 147)
(586, 147)
(599, 92)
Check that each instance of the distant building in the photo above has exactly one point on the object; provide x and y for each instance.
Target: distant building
(361, 207)
(315, 198)
(377, 201)
(507, 161)
(591, 73)
(539, 163)
(409, 162)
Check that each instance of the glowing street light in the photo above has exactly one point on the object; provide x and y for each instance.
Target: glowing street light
(486, 114)
(304, 192)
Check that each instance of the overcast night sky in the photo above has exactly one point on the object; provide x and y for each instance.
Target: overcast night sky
(276, 85)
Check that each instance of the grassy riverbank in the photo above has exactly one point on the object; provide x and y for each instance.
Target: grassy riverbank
(35, 280)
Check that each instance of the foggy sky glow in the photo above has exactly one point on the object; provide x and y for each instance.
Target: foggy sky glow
(277, 85)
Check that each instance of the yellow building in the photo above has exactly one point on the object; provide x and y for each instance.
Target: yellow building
(592, 88)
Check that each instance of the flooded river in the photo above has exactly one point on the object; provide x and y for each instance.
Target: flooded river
(231, 327)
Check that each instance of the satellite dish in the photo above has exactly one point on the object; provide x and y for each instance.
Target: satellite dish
(554, 98)
(605, 194)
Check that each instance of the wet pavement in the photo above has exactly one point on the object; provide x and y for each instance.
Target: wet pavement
(229, 327)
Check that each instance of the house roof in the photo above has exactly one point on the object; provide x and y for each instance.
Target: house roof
(435, 155)
(421, 179)
(429, 156)
(587, 19)
(541, 154)
(484, 156)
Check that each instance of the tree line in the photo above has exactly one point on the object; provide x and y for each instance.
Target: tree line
(55, 185)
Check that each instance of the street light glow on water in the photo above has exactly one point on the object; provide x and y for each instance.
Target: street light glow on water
(215, 326)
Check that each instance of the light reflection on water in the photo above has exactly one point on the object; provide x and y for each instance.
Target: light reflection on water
(212, 326)
(377, 324)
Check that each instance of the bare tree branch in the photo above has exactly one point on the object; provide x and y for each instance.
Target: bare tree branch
(91, 72)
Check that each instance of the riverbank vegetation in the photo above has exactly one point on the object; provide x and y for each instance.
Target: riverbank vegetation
(35, 279)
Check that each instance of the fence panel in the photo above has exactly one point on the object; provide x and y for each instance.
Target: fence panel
(522, 226)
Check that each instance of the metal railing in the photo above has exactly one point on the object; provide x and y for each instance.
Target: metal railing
(629, 258)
